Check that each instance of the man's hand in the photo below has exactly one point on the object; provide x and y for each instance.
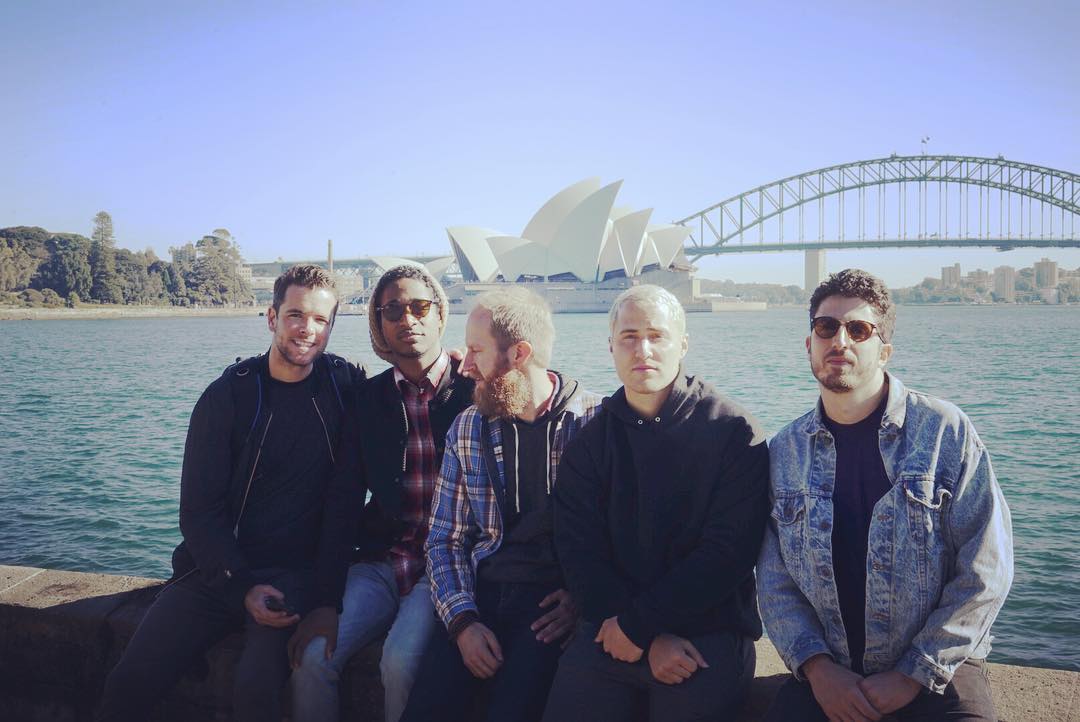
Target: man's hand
(320, 622)
(836, 690)
(617, 644)
(480, 650)
(556, 623)
(673, 659)
(889, 691)
(255, 603)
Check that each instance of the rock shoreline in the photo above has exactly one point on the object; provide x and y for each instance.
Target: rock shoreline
(61, 632)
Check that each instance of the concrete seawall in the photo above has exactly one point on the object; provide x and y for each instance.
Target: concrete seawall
(61, 632)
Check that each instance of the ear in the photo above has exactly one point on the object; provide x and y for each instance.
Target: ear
(610, 346)
(885, 353)
(520, 353)
(685, 345)
(271, 319)
(807, 344)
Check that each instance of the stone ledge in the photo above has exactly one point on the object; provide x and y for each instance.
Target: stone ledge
(61, 632)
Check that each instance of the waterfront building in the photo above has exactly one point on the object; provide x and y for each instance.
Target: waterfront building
(1046, 274)
(950, 276)
(579, 251)
(1005, 283)
(978, 279)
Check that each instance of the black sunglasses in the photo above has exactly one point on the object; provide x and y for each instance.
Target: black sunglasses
(857, 330)
(393, 311)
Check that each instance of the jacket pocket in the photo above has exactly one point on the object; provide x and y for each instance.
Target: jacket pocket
(789, 517)
(926, 502)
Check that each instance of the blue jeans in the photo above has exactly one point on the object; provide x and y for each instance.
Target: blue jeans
(371, 607)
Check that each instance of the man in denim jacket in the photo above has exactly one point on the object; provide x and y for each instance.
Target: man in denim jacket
(889, 550)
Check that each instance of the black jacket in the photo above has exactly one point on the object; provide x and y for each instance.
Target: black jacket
(221, 455)
(659, 521)
(374, 452)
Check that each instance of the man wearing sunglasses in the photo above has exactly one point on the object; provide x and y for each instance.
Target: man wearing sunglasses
(393, 445)
(889, 549)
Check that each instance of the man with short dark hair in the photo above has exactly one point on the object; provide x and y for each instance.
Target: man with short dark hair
(256, 513)
(659, 515)
(495, 580)
(889, 551)
(393, 444)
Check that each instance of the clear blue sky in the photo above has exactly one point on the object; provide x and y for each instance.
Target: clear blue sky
(378, 124)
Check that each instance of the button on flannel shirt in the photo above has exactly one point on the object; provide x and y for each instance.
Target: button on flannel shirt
(418, 479)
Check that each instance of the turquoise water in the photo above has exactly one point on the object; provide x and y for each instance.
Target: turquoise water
(93, 416)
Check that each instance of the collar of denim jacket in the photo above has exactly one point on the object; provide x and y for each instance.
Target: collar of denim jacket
(895, 409)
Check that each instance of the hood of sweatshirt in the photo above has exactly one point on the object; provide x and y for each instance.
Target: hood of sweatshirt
(686, 392)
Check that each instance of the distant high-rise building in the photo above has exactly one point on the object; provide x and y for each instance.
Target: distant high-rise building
(1046, 273)
(1005, 283)
(950, 276)
(979, 278)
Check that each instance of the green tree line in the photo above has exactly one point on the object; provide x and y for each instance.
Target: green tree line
(52, 269)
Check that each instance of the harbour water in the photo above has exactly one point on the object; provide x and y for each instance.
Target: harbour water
(93, 416)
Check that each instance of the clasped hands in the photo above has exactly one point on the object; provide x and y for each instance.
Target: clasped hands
(672, 659)
(845, 696)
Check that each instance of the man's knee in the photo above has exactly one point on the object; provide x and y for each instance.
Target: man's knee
(314, 667)
(399, 666)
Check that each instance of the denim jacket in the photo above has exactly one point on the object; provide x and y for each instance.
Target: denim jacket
(940, 559)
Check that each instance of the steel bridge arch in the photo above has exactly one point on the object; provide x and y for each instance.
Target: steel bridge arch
(753, 208)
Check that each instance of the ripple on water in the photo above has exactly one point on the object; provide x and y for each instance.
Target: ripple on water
(91, 448)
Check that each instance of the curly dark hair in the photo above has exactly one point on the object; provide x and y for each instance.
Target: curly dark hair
(857, 283)
(306, 275)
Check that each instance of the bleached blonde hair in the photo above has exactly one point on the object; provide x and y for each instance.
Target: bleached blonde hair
(648, 295)
(518, 314)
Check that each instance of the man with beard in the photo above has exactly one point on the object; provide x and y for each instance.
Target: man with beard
(495, 580)
(889, 551)
(659, 515)
(393, 448)
(259, 513)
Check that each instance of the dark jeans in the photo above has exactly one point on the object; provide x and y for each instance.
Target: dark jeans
(967, 697)
(591, 686)
(185, 620)
(445, 690)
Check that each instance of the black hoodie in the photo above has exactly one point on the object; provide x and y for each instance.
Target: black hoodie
(659, 521)
(527, 551)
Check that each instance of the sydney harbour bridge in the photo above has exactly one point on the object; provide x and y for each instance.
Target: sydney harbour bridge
(917, 201)
(895, 202)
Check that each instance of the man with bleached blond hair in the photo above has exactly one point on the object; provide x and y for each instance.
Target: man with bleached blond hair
(659, 515)
(491, 558)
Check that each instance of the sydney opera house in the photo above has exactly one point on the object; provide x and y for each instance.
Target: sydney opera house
(579, 251)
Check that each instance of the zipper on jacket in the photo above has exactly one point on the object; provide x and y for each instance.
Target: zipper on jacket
(251, 477)
(326, 431)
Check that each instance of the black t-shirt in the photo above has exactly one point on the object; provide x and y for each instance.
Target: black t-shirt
(290, 478)
(527, 552)
(861, 480)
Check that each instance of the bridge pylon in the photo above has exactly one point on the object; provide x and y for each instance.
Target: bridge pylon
(815, 270)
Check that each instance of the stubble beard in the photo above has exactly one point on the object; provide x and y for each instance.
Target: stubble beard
(503, 396)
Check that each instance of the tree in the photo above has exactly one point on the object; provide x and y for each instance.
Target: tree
(106, 287)
(215, 275)
(68, 269)
(22, 251)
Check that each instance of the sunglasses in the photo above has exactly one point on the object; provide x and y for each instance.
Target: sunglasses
(394, 311)
(827, 327)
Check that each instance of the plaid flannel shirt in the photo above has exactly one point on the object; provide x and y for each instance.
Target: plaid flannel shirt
(466, 525)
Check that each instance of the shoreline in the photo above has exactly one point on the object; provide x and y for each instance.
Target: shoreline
(106, 312)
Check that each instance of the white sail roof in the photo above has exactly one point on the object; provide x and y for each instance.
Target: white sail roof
(474, 256)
